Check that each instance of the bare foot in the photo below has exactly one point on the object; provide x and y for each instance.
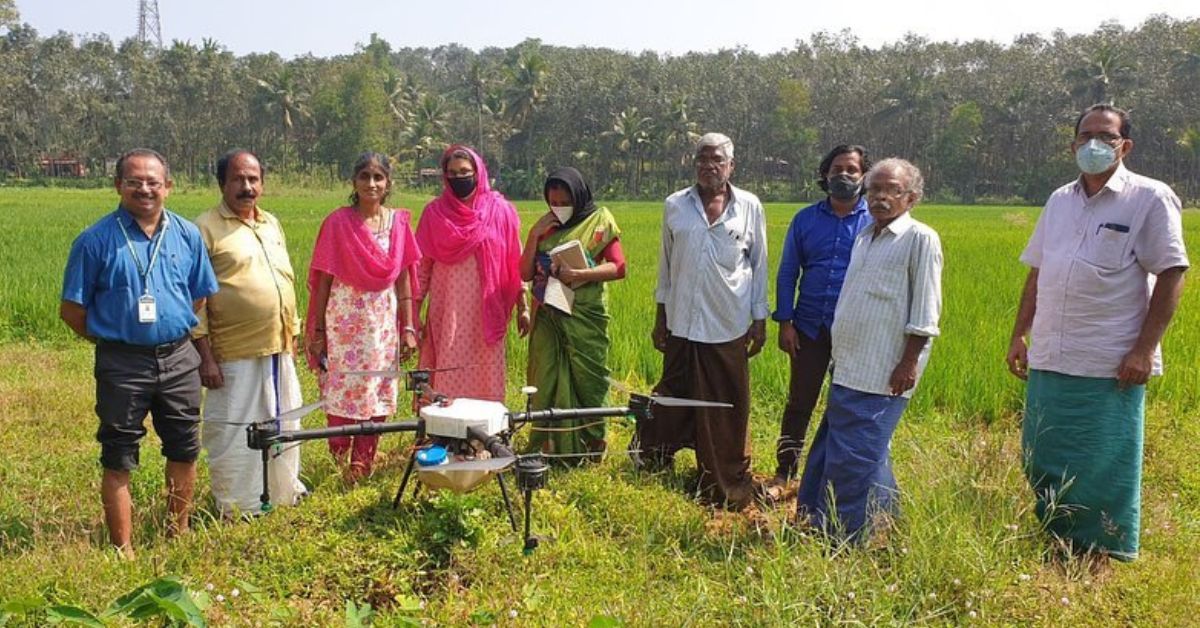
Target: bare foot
(125, 552)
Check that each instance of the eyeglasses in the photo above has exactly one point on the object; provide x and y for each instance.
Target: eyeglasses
(890, 192)
(1107, 138)
(711, 161)
(136, 184)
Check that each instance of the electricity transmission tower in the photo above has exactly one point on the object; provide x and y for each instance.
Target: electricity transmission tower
(149, 31)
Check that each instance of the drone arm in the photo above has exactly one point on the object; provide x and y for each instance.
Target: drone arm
(551, 415)
(263, 436)
(492, 443)
(358, 429)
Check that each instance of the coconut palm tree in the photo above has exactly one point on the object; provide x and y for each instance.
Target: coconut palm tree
(427, 127)
(525, 77)
(631, 131)
(1101, 75)
(286, 100)
(679, 134)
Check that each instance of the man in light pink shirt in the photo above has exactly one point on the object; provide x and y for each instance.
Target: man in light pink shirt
(1106, 272)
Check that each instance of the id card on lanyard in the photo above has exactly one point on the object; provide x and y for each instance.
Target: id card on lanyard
(147, 308)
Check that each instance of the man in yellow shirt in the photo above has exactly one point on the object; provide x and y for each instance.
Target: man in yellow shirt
(246, 339)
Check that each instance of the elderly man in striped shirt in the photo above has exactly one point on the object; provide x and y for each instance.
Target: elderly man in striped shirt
(882, 333)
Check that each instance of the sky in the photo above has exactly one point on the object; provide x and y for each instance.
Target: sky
(325, 28)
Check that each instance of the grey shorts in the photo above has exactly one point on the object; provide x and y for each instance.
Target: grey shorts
(132, 381)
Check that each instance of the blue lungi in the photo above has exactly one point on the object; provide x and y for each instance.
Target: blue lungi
(849, 462)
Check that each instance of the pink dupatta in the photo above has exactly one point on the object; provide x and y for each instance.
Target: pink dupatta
(488, 228)
(347, 250)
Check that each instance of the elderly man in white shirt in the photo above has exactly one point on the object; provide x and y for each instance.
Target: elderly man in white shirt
(1106, 273)
(711, 319)
(882, 333)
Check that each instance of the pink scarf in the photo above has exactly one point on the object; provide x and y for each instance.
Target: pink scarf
(488, 228)
(347, 250)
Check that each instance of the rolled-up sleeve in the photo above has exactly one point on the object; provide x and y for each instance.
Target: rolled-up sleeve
(926, 276)
(759, 308)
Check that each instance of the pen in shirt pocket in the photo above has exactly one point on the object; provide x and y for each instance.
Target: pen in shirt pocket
(1114, 226)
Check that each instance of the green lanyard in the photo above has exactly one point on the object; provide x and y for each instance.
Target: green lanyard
(145, 271)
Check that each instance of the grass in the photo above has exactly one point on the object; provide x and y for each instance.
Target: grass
(630, 547)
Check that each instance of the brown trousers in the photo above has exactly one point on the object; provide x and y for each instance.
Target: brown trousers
(720, 436)
(808, 374)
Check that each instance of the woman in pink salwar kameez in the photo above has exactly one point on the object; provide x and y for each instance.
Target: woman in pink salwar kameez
(470, 272)
(360, 315)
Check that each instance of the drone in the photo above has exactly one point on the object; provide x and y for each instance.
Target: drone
(461, 442)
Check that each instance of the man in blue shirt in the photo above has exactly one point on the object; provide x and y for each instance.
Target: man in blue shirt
(816, 252)
(133, 283)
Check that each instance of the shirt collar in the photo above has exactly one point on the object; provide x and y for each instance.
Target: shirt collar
(859, 207)
(1116, 183)
(228, 213)
(129, 221)
(902, 223)
(730, 205)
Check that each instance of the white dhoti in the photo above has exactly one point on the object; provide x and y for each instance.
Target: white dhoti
(255, 389)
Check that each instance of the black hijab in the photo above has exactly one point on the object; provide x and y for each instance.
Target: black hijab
(581, 194)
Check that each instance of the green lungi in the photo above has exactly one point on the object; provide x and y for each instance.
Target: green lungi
(567, 363)
(1082, 444)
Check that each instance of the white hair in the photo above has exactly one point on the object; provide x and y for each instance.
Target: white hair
(723, 144)
(904, 167)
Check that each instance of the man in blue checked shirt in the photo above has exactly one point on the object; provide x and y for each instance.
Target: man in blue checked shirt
(816, 253)
(133, 284)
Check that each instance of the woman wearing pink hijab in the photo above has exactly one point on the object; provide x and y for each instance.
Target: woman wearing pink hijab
(360, 315)
(470, 239)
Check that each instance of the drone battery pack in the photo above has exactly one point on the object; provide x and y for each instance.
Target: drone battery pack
(452, 421)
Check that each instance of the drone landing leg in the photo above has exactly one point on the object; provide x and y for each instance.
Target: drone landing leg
(265, 497)
(512, 519)
(531, 542)
(412, 460)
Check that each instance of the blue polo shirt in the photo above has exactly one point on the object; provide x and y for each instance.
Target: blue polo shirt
(102, 276)
(816, 251)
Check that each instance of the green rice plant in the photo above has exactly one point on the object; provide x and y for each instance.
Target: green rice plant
(630, 547)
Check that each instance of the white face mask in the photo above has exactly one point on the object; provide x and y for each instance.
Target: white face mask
(1095, 157)
(563, 214)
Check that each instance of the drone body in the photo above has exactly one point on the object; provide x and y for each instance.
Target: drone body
(476, 435)
(453, 419)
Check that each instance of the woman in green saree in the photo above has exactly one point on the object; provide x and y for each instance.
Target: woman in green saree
(568, 352)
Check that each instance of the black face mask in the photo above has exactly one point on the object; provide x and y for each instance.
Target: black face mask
(844, 187)
(463, 186)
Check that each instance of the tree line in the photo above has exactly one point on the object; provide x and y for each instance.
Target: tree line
(987, 122)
